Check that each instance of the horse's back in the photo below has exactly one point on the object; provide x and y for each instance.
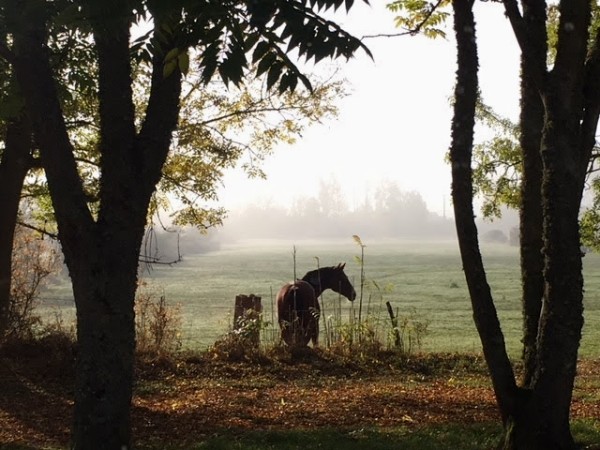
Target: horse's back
(297, 294)
(297, 302)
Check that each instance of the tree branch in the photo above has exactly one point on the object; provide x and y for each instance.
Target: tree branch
(591, 113)
(42, 231)
(35, 76)
(463, 123)
(522, 34)
(412, 32)
(154, 139)
(388, 35)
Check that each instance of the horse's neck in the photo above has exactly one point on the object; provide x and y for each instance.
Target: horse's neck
(315, 280)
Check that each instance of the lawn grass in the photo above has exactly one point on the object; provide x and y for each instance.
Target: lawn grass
(477, 437)
(435, 437)
(484, 436)
(425, 278)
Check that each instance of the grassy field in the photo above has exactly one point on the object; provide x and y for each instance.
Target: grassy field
(422, 280)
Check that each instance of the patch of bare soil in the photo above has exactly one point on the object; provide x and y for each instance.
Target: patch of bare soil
(181, 401)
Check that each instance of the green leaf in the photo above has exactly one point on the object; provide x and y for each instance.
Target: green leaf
(172, 54)
(265, 63)
(274, 74)
(261, 48)
(183, 61)
(169, 67)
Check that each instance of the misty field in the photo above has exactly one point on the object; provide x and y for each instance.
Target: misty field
(422, 280)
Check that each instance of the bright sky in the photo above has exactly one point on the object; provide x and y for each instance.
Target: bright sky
(395, 124)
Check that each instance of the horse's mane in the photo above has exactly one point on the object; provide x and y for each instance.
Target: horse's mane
(314, 275)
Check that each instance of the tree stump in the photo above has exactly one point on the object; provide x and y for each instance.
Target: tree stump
(247, 317)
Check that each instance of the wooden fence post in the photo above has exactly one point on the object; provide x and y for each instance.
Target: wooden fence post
(394, 319)
(248, 308)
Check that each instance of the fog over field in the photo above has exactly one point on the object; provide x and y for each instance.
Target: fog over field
(411, 259)
(386, 213)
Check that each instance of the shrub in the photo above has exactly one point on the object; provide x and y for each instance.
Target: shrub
(34, 260)
(241, 341)
(412, 328)
(157, 324)
(494, 236)
(370, 329)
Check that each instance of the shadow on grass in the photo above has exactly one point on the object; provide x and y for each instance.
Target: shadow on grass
(438, 437)
(462, 437)
(25, 447)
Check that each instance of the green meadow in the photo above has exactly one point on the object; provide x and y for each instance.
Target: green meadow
(423, 281)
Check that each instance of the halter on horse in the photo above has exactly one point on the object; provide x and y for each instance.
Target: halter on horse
(298, 306)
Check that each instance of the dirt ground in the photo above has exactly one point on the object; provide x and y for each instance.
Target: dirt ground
(184, 400)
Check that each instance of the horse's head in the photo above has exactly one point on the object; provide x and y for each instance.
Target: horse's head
(340, 282)
(332, 278)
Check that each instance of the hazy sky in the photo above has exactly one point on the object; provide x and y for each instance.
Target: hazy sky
(395, 124)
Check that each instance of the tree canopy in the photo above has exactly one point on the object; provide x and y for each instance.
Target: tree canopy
(133, 141)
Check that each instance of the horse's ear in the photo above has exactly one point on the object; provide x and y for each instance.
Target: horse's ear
(341, 266)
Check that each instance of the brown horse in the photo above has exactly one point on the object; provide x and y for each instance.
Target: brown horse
(298, 305)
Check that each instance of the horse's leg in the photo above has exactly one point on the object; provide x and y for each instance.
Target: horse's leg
(285, 331)
(287, 323)
(301, 339)
(315, 332)
(294, 329)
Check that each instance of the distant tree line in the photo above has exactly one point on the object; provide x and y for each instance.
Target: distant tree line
(389, 212)
(386, 213)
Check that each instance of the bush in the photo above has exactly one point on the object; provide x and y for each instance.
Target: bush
(412, 328)
(494, 236)
(34, 260)
(157, 324)
(241, 341)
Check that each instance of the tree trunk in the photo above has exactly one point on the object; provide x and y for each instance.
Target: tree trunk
(538, 417)
(463, 122)
(104, 289)
(101, 252)
(14, 164)
(541, 420)
(531, 220)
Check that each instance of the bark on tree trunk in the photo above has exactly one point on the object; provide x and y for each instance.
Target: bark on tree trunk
(14, 165)
(536, 418)
(531, 220)
(104, 290)
(463, 122)
(101, 253)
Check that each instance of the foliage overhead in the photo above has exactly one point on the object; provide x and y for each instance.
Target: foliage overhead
(421, 16)
(218, 127)
(497, 161)
(233, 36)
(231, 40)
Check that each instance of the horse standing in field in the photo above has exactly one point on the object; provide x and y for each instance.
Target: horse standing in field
(298, 305)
